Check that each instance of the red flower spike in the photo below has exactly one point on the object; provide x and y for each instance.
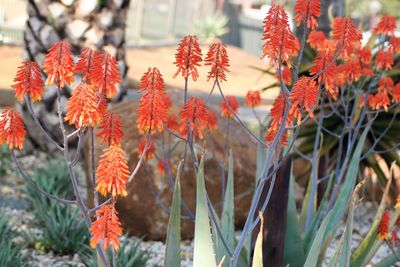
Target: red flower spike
(82, 107)
(384, 60)
(188, 57)
(172, 123)
(225, 111)
(277, 112)
(212, 121)
(397, 205)
(351, 70)
(364, 55)
(152, 111)
(152, 80)
(385, 85)
(271, 136)
(304, 96)
(102, 105)
(195, 114)
(286, 75)
(112, 172)
(280, 42)
(316, 39)
(386, 25)
(383, 230)
(345, 33)
(307, 10)
(329, 77)
(167, 101)
(217, 58)
(378, 101)
(111, 129)
(28, 81)
(59, 65)
(396, 98)
(253, 98)
(87, 63)
(107, 227)
(162, 167)
(394, 44)
(150, 150)
(395, 240)
(12, 130)
(105, 74)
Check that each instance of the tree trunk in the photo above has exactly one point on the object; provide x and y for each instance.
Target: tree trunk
(96, 23)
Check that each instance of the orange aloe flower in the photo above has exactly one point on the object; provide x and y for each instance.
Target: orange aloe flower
(172, 123)
(212, 120)
(162, 167)
(277, 112)
(217, 58)
(286, 75)
(195, 116)
(152, 111)
(396, 94)
(111, 129)
(28, 81)
(188, 57)
(112, 172)
(304, 96)
(307, 10)
(12, 130)
(364, 54)
(225, 111)
(105, 74)
(82, 107)
(386, 25)
(87, 63)
(150, 149)
(107, 227)
(329, 76)
(316, 39)
(395, 240)
(59, 65)
(279, 39)
(152, 80)
(383, 229)
(379, 100)
(384, 60)
(394, 44)
(345, 33)
(385, 85)
(351, 70)
(397, 205)
(253, 98)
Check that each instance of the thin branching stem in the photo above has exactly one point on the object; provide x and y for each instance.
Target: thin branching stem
(35, 185)
(36, 120)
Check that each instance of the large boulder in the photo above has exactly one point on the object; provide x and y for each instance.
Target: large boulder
(144, 212)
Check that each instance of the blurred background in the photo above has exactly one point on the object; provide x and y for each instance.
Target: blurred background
(160, 22)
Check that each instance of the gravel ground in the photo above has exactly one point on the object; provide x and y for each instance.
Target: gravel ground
(16, 207)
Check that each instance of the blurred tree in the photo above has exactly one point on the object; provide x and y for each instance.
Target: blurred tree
(96, 23)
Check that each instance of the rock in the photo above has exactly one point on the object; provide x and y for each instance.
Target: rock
(95, 36)
(105, 18)
(48, 36)
(76, 28)
(141, 212)
(110, 50)
(68, 2)
(118, 3)
(56, 9)
(86, 7)
(35, 23)
(117, 37)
